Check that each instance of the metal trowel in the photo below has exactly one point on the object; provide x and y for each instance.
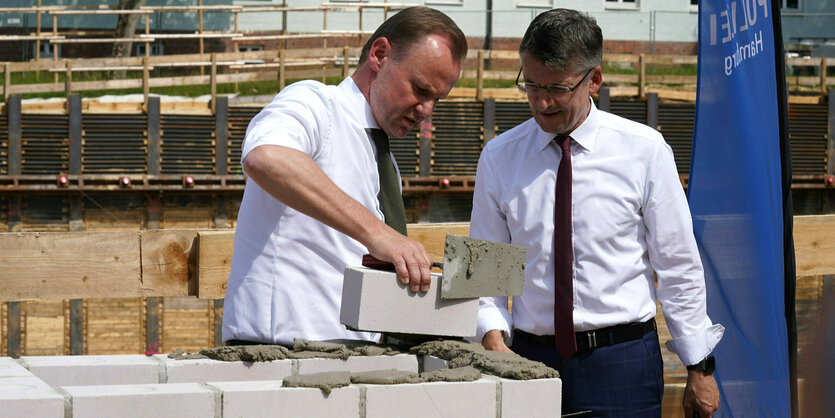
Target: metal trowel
(474, 268)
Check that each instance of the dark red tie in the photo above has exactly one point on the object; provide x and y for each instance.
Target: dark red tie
(563, 256)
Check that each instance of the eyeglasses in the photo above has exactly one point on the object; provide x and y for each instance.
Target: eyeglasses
(555, 90)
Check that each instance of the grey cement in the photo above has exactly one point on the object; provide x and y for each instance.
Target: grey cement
(302, 349)
(507, 365)
(394, 377)
(461, 374)
(474, 268)
(333, 349)
(326, 382)
(466, 360)
(248, 353)
(179, 354)
(386, 377)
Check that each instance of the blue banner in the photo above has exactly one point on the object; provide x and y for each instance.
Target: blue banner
(735, 192)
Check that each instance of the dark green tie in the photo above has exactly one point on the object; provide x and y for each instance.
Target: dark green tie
(391, 198)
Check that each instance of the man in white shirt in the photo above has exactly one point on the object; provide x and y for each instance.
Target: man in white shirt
(597, 201)
(312, 204)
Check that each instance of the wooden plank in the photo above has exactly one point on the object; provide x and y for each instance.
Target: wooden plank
(214, 262)
(671, 59)
(620, 78)
(44, 325)
(805, 100)
(70, 265)
(166, 260)
(689, 96)
(630, 58)
(671, 402)
(95, 106)
(671, 79)
(114, 326)
(503, 54)
(433, 236)
(54, 266)
(814, 244)
(215, 253)
(186, 325)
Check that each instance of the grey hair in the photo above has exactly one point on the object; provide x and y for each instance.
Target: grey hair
(564, 40)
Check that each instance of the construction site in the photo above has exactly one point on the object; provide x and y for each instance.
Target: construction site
(119, 211)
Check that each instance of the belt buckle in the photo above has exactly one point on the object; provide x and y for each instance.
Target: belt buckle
(592, 339)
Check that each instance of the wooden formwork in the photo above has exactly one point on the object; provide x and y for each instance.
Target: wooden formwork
(187, 316)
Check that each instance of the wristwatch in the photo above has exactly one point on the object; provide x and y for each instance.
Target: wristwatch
(708, 365)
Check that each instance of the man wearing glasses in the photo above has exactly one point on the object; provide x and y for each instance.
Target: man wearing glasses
(597, 201)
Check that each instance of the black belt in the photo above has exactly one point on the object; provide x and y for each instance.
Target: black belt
(589, 340)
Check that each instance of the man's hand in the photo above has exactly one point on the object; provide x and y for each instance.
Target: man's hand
(700, 394)
(494, 341)
(410, 259)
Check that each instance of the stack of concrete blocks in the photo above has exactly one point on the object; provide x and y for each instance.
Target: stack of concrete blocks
(156, 386)
(142, 386)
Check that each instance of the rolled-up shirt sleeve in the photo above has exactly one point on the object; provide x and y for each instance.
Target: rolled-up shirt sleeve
(299, 117)
(488, 222)
(674, 256)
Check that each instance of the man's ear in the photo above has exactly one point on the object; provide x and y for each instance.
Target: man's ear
(596, 80)
(379, 51)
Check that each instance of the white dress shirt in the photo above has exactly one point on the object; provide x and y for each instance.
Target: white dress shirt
(287, 268)
(629, 216)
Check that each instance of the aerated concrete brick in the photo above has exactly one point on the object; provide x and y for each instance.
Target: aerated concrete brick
(94, 370)
(404, 362)
(432, 363)
(208, 370)
(530, 398)
(9, 367)
(28, 396)
(374, 300)
(270, 399)
(439, 399)
(142, 401)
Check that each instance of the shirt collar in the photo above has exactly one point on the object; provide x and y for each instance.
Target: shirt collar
(356, 100)
(584, 135)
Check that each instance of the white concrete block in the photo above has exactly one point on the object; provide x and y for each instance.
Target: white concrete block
(208, 370)
(269, 399)
(142, 401)
(28, 397)
(374, 300)
(94, 370)
(530, 398)
(432, 363)
(439, 399)
(404, 362)
(9, 367)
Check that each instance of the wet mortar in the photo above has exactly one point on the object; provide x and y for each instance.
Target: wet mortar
(467, 361)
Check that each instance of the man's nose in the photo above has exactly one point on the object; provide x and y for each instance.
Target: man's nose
(425, 108)
(544, 100)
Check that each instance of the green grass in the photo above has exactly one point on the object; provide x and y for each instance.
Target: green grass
(249, 88)
(267, 87)
(488, 84)
(653, 69)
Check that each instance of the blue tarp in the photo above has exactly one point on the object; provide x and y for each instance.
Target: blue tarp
(736, 198)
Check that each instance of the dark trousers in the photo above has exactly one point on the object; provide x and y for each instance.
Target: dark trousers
(621, 380)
